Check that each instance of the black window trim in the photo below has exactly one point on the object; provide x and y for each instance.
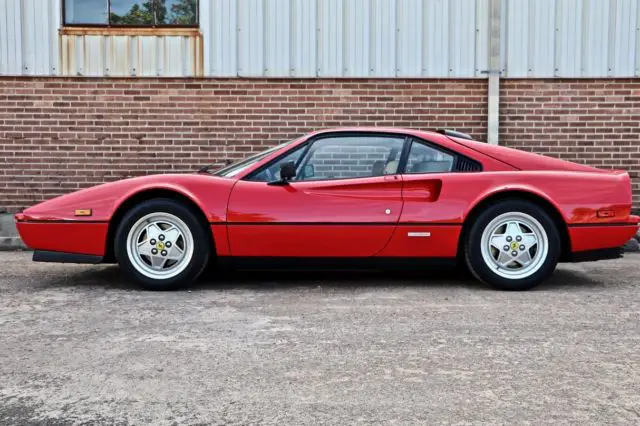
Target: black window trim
(109, 25)
(307, 144)
(456, 157)
(404, 153)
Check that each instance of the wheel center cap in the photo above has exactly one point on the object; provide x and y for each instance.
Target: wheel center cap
(514, 245)
(160, 246)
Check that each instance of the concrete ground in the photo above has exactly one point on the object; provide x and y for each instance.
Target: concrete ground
(79, 344)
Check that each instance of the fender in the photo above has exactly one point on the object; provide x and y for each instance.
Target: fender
(180, 189)
(513, 188)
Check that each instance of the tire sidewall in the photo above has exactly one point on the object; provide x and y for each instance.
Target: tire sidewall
(201, 242)
(473, 245)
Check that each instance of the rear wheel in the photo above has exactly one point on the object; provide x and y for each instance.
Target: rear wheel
(512, 245)
(162, 245)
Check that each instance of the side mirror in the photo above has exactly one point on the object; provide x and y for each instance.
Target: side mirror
(309, 171)
(287, 172)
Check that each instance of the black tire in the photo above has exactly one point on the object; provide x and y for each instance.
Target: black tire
(473, 245)
(202, 244)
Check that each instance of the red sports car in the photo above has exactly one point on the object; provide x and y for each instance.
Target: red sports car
(348, 194)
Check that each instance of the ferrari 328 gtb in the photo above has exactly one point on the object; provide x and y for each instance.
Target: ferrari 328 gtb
(348, 194)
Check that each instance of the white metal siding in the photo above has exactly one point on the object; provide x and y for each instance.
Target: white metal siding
(339, 38)
(422, 38)
(29, 37)
(425, 38)
(571, 38)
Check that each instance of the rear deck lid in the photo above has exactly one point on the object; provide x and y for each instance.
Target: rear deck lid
(524, 160)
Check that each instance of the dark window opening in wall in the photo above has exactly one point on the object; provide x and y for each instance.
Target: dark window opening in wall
(131, 13)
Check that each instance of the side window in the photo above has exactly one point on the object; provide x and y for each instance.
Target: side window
(425, 159)
(344, 157)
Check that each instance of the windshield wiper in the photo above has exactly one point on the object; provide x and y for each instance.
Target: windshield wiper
(205, 169)
(208, 167)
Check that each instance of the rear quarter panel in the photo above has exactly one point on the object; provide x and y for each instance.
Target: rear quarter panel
(576, 195)
(590, 200)
(440, 204)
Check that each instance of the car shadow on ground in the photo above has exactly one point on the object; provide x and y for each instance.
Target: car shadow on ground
(220, 279)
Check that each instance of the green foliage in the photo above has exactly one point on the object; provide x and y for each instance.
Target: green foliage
(184, 12)
(154, 12)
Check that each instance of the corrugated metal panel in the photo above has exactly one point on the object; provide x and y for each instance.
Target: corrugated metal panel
(28, 37)
(251, 17)
(570, 38)
(409, 38)
(219, 26)
(624, 43)
(277, 41)
(337, 38)
(117, 55)
(345, 38)
(383, 48)
(569, 46)
(304, 36)
(435, 52)
(10, 38)
(142, 55)
(482, 36)
(330, 38)
(357, 21)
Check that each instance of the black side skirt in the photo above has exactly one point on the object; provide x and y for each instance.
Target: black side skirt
(600, 254)
(61, 257)
(260, 262)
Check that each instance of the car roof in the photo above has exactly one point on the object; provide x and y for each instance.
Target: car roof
(399, 130)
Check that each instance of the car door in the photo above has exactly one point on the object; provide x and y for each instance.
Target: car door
(344, 202)
(428, 226)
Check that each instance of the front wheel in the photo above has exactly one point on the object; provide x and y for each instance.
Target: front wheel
(162, 245)
(512, 245)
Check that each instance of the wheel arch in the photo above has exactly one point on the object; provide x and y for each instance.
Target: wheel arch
(521, 194)
(144, 195)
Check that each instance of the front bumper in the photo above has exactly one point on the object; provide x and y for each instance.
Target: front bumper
(77, 237)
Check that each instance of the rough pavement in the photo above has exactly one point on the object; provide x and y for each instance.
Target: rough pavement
(78, 344)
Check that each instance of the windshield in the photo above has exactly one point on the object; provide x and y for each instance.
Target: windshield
(236, 168)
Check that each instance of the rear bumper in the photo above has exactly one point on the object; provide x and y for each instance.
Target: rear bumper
(597, 237)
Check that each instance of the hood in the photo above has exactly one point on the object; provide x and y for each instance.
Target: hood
(524, 160)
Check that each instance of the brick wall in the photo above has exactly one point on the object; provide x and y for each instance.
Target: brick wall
(58, 135)
(61, 134)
